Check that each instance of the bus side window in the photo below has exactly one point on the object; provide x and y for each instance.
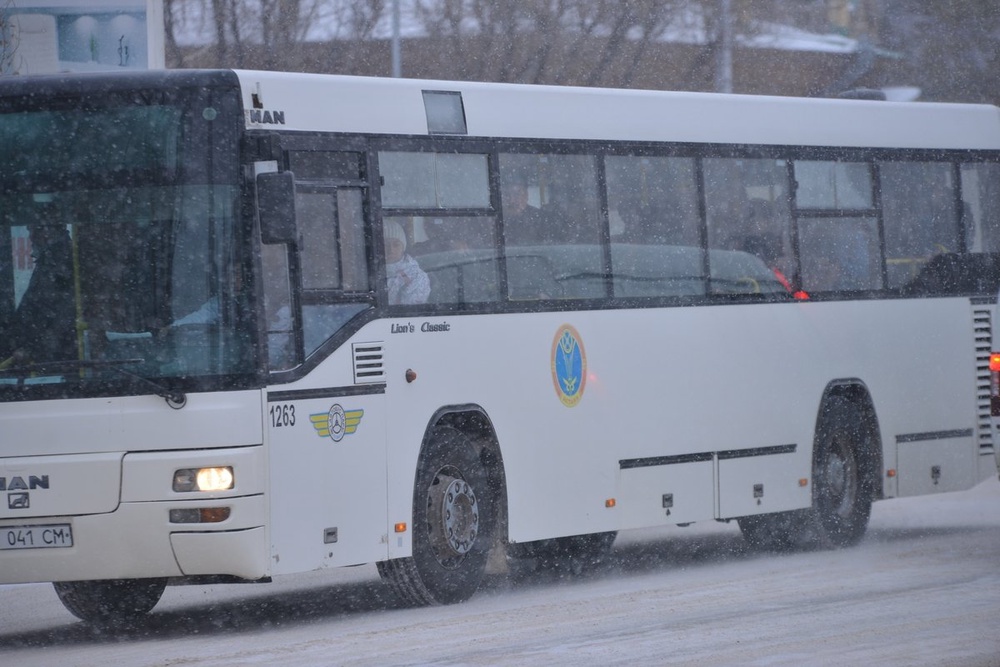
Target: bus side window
(459, 255)
(654, 220)
(919, 214)
(833, 185)
(747, 206)
(449, 227)
(552, 200)
(333, 261)
(837, 226)
(277, 307)
(981, 207)
(315, 213)
(838, 254)
(652, 200)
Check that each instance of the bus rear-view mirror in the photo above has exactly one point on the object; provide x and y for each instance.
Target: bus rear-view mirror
(276, 207)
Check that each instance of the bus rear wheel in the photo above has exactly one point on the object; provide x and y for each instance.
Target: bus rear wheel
(113, 602)
(843, 488)
(452, 524)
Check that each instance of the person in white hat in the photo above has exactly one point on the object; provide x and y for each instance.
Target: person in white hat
(407, 282)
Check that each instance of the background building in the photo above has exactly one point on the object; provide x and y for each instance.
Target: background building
(46, 36)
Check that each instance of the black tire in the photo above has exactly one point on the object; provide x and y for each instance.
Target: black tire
(842, 492)
(453, 524)
(110, 603)
(843, 481)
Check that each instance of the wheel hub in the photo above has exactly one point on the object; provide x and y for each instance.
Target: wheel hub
(840, 480)
(460, 512)
(835, 472)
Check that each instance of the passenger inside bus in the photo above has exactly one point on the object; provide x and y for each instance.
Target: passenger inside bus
(42, 328)
(763, 234)
(406, 282)
(524, 224)
(527, 225)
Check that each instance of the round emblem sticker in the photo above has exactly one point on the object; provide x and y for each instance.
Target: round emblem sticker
(569, 365)
(338, 423)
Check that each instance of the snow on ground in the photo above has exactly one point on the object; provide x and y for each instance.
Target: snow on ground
(923, 588)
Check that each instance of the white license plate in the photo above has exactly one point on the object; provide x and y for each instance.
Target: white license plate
(52, 536)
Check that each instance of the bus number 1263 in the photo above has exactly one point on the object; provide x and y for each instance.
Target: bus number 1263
(282, 415)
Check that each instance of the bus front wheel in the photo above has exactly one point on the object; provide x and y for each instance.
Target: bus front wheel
(452, 524)
(114, 602)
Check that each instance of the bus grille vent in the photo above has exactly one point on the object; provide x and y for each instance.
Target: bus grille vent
(983, 331)
(369, 363)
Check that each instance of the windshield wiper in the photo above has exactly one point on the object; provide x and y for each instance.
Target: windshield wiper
(174, 397)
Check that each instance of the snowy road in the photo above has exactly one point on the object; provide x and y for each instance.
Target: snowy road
(923, 588)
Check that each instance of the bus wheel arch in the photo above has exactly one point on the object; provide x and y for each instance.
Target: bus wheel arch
(458, 500)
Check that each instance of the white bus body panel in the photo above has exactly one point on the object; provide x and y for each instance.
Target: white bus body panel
(129, 423)
(717, 381)
(108, 468)
(328, 487)
(661, 384)
(672, 493)
(935, 466)
(670, 382)
(51, 485)
(325, 103)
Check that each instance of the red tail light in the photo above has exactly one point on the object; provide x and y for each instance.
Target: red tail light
(995, 362)
(995, 384)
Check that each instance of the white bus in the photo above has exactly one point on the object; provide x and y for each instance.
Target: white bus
(254, 324)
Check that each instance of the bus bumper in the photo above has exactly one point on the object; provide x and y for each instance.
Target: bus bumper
(138, 541)
(146, 528)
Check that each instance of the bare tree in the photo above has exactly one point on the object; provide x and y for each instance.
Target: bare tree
(269, 34)
(582, 42)
(478, 38)
(634, 24)
(672, 43)
(355, 22)
(586, 42)
(951, 50)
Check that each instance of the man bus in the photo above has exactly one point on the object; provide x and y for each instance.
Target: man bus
(721, 307)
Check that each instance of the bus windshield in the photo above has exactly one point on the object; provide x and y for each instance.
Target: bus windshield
(121, 265)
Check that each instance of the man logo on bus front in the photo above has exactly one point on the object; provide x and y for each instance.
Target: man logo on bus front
(569, 365)
(18, 501)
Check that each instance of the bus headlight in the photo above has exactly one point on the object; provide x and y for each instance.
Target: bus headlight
(204, 479)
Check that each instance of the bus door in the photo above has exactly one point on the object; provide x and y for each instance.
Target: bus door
(325, 406)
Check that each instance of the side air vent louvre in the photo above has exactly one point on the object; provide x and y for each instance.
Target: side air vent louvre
(982, 330)
(369, 363)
